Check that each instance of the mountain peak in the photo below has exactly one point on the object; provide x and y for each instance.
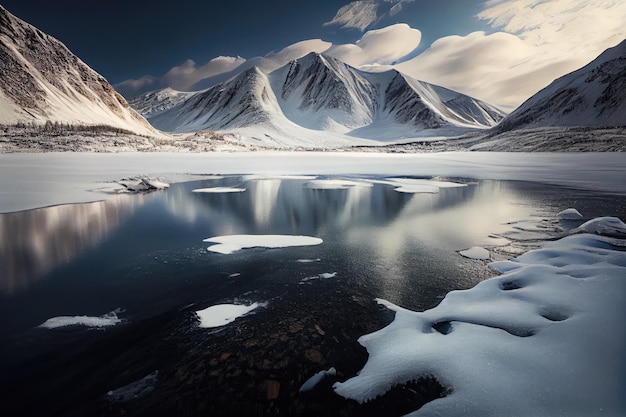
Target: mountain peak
(43, 81)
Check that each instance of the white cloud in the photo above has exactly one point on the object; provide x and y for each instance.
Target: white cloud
(381, 46)
(181, 77)
(540, 40)
(357, 15)
(184, 76)
(298, 50)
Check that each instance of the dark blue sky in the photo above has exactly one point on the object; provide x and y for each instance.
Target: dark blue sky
(132, 38)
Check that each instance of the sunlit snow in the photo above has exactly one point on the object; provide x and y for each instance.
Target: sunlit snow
(109, 319)
(233, 243)
(569, 214)
(223, 314)
(544, 338)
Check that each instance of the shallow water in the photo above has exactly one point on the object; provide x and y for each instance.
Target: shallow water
(142, 256)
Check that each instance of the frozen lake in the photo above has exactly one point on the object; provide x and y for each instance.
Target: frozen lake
(129, 274)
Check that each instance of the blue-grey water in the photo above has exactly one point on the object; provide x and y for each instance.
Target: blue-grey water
(142, 256)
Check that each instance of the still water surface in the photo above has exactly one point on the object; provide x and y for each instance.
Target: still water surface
(143, 256)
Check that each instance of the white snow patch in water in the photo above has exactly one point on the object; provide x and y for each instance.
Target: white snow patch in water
(316, 379)
(325, 275)
(569, 214)
(475, 252)
(218, 190)
(223, 314)
(306, 261)
(417, 189)
(545, 338)
(232, 243)
(336, 184)
(109, 319)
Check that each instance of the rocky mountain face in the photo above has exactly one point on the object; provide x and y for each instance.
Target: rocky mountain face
(593, 96)
(41, 81)
(322, 93)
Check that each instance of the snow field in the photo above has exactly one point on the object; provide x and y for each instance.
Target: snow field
(544, 338)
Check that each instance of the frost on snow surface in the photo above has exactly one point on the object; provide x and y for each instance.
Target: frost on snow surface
(223, 314)
(475, 252)
(233, 243)
(545, 338)
(218, 190)
(569, 214)
(109, 319)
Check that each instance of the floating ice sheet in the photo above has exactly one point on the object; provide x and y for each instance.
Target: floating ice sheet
(233, 243)
(475, 252)
(223, 314)
(336, 184)
(109, 319)
(218, 190)
(545, 338)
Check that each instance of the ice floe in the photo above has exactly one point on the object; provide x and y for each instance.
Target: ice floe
(325, 275)
(544, 338)
(307, 261)
(219, 190)
(143, 184)
(316, 379)
(223, 314)
(232, 243)
(109, 319)
(336, 184)
(569, 214)
(418, 185)
(475, 252)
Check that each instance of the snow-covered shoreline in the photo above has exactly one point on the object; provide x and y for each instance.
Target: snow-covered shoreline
(545, 338)
(30, 181)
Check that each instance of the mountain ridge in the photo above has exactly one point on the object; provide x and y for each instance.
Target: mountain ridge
(43, 81)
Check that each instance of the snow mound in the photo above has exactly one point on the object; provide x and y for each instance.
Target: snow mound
(233, 243)
(109, 319)
(544, 338)
(218, 190)
(569, 214)
(606, 226)
(223, 314)
(475, 252)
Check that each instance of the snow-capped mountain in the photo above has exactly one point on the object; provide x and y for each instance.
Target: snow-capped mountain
(593, 96)
(156, 102)
(321, 93)
(41, 80)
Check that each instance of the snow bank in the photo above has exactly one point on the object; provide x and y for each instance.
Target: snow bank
(233, 243)
(607, 226)
(475, 252)
(109, 319)
(223, 314)
(218, 190)
(569, 214)
(545, 338)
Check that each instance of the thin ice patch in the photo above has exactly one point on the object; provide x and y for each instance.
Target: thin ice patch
(232, 243)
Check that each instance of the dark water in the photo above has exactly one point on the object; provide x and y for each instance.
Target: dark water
(143, 256)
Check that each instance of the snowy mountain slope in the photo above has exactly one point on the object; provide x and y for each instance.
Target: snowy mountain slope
(322, 94)
(156, 102)
(593, 96)
(43, 81)
(243, 101)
